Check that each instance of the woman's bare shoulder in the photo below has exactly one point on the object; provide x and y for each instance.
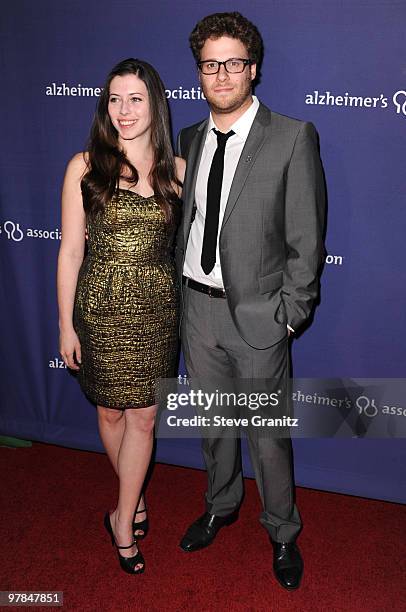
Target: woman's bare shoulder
(78, 165)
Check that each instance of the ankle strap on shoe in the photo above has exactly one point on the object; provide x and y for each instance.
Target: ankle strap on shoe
(127, 546)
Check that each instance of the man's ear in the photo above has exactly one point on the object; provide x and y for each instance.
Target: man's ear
(253, 70)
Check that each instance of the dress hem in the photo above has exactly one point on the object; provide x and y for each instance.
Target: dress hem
(127, 406)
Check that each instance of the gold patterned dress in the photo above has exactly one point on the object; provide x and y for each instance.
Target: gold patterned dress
(126, 304)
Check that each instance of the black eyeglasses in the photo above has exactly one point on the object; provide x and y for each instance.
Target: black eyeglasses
(233, 65)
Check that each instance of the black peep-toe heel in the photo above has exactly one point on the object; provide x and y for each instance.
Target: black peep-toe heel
(141, 526)
(127, 563)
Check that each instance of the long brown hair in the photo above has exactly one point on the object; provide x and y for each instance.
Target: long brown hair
(107, 163)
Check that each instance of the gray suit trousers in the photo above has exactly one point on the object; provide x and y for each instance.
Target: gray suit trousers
(212, 347)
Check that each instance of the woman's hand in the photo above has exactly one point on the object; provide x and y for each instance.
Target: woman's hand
(69, 348)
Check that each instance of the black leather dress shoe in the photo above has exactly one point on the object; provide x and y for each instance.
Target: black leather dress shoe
(203, 531)
(287, 564)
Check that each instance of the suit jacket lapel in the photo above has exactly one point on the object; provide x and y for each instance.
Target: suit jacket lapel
(252, 147)
(193, 162)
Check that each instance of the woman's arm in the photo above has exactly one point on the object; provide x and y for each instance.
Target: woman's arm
(70, 257)
(180, 166)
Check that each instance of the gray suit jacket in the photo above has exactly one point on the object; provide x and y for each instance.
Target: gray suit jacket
(271, 238)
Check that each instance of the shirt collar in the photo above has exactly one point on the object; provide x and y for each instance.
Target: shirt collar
(243, 124)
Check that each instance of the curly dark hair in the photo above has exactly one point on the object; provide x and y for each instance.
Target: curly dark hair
(233, 25)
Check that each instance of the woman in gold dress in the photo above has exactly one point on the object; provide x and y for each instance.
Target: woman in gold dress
(118, 306)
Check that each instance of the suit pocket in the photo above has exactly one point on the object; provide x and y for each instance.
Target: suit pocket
(280, 315)
(271, 282)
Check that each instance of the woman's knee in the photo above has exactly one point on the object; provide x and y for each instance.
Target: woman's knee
(109, 416)
(142, 419)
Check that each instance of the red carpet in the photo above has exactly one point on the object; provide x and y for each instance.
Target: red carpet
(53, 501)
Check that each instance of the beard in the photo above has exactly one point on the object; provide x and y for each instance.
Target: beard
(224, 104)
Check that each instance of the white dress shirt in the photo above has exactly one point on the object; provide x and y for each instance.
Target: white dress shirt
(234, 147)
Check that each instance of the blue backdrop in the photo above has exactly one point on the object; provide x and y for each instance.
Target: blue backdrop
(339, 64)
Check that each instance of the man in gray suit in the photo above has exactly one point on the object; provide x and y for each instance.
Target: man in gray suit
(249, 250)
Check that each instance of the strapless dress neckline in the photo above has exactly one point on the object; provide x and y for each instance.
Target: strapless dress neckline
(135, 193)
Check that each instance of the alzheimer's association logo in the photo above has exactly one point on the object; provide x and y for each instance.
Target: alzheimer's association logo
(13, 231)
(371, 103)
(399, 100)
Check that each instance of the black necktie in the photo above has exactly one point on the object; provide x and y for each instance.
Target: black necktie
(214, 183)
